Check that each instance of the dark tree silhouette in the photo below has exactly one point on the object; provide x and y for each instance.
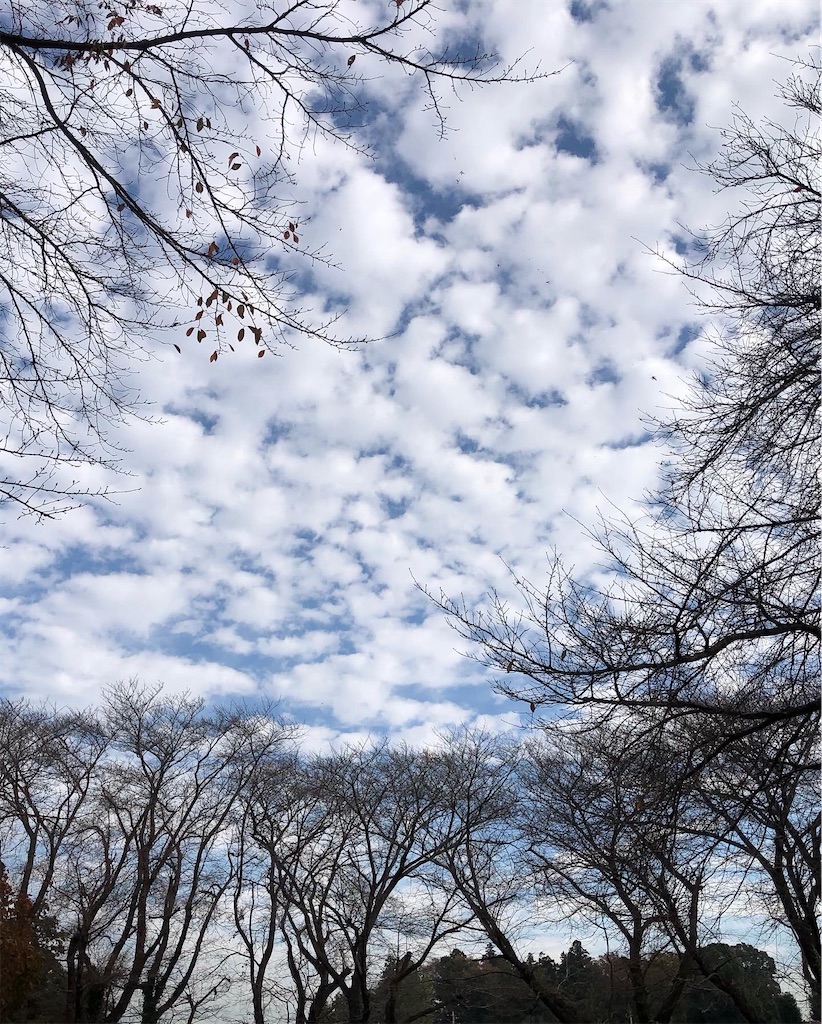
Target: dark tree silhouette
(350, 844)
(709, 628)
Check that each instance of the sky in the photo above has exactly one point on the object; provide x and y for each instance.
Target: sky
(277, 513)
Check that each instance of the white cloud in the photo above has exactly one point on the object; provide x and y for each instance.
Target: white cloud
(284, 504)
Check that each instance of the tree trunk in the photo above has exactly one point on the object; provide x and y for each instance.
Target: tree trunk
(150, 1014)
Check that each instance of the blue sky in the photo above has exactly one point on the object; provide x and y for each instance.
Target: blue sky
(277, 512)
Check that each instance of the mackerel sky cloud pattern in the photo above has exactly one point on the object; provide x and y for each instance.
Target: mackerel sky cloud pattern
(277, 513)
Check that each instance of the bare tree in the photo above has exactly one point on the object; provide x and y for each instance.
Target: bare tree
(768, 817)
(616, 833)
(48, 764)
(118, 822)
(392, 796)
(710, 607)
(149, 151)
(352, 840)
(585, 819)
(172, 796)
(480, 792)
(276, 821)
(292, 850)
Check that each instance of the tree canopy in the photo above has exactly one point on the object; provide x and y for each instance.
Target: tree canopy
(164, 860)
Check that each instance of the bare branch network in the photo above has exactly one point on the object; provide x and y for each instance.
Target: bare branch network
(708, 625)
(148, 155)
(165, 860)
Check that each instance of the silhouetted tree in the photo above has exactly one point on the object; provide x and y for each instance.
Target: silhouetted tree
(352, 841)
(707, 627)
(600, 849)
(487, 865)
(752, 969)
(118, 820)
(767, 817)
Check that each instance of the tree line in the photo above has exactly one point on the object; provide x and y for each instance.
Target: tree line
(485, 989)
(163, 859)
